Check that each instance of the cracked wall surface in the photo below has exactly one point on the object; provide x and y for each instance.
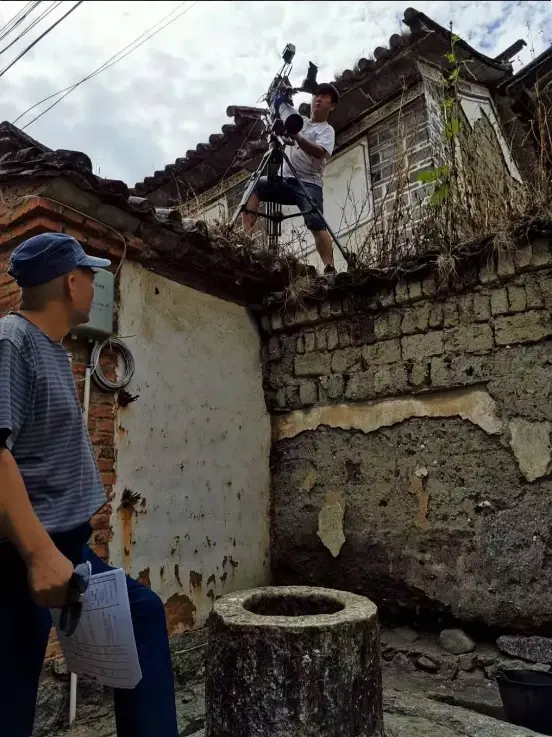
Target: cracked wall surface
(412, 451)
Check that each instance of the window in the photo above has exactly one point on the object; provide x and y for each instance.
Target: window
(347, 197)
(234, 195)
(215, 211)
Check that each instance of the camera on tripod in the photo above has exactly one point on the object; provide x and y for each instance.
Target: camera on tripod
(285, 119)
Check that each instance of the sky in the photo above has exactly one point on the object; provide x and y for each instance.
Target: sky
(172, 92)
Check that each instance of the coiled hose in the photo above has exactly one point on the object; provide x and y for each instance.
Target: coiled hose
(98, 376)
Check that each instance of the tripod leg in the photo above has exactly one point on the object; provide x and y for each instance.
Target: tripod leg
(253, 180)
(316, 209)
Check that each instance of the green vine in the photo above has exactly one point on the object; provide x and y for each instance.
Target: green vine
(445, 176)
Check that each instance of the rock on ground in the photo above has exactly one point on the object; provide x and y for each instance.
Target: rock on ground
(534, 649)
(456, 642)
(449, 703)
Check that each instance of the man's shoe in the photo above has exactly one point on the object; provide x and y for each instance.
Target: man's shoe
(330, 271)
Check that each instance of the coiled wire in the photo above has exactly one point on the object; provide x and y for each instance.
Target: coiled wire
(98, 376)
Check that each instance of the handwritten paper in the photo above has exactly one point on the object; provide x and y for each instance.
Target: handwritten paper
(103, 647)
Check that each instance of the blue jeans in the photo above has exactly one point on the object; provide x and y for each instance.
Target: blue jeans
(148, 710)
(288, 192)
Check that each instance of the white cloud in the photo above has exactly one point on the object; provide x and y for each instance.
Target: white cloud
(173, 91)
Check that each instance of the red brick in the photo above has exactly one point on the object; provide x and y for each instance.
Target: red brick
(95, 227)
(101, 438)
(106, 466)
(102, 412)
(97, 244)
(18, 233)
(108, 479)
(105, 425)
(69, 214)
(26, 209)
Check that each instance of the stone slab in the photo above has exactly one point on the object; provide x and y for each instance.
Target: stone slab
(535, 649)
(407, 716)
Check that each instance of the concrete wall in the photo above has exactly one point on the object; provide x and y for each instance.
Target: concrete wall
(412, 443)
(191, 500)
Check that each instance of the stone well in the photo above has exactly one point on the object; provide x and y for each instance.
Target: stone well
(294, 662)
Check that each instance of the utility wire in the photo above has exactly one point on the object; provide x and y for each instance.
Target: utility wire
(46, 32)
(107, 64)
(17, 19)
(43, 15)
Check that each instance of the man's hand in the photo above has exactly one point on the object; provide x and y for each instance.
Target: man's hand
(49, 572)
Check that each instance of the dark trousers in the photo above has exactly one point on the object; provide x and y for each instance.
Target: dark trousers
(148, 710)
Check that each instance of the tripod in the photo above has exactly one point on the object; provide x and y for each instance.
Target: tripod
(272, 162)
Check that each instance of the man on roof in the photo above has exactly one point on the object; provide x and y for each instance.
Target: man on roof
(308, 154)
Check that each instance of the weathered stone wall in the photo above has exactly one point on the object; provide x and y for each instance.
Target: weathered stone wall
(412, 456)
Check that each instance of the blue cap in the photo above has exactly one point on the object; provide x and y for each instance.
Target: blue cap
(44, 257)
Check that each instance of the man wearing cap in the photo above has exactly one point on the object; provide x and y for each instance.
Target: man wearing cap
(50, 487)
(313, 145)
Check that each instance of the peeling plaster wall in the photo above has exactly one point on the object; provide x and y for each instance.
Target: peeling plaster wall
(191, 507)
(412, 453)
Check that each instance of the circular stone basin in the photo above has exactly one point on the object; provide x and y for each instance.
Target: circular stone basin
(293, 660)
(289, 604)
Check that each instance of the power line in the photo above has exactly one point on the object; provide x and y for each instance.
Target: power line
(99, 69)
(46, 32)
(17, 19)
(108, 63)
(43, 15)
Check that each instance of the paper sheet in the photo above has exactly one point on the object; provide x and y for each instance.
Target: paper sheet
(103, 647)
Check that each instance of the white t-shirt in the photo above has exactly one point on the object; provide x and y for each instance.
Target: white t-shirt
(308, 168)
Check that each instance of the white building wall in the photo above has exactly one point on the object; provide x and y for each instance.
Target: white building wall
(191, 508)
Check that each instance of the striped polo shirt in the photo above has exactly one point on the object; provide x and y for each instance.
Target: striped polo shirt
(41, 423)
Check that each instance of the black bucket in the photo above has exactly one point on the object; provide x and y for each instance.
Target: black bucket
(527, 698)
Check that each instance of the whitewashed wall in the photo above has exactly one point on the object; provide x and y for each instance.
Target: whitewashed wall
(191, 511)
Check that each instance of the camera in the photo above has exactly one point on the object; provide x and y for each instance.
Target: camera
(285, 119)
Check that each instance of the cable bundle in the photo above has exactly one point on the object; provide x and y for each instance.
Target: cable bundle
(98, 376)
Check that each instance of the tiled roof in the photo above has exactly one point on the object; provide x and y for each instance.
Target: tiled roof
(419, 25)
(61, 192)
(22, 157)
(247, 126)
(533, 72)
(12, 137)
(373, 81)
(369, 83)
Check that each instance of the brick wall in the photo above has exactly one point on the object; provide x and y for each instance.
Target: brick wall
(405, 339)
(412, 451)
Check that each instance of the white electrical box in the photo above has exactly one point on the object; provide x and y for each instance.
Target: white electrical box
(100, 323)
